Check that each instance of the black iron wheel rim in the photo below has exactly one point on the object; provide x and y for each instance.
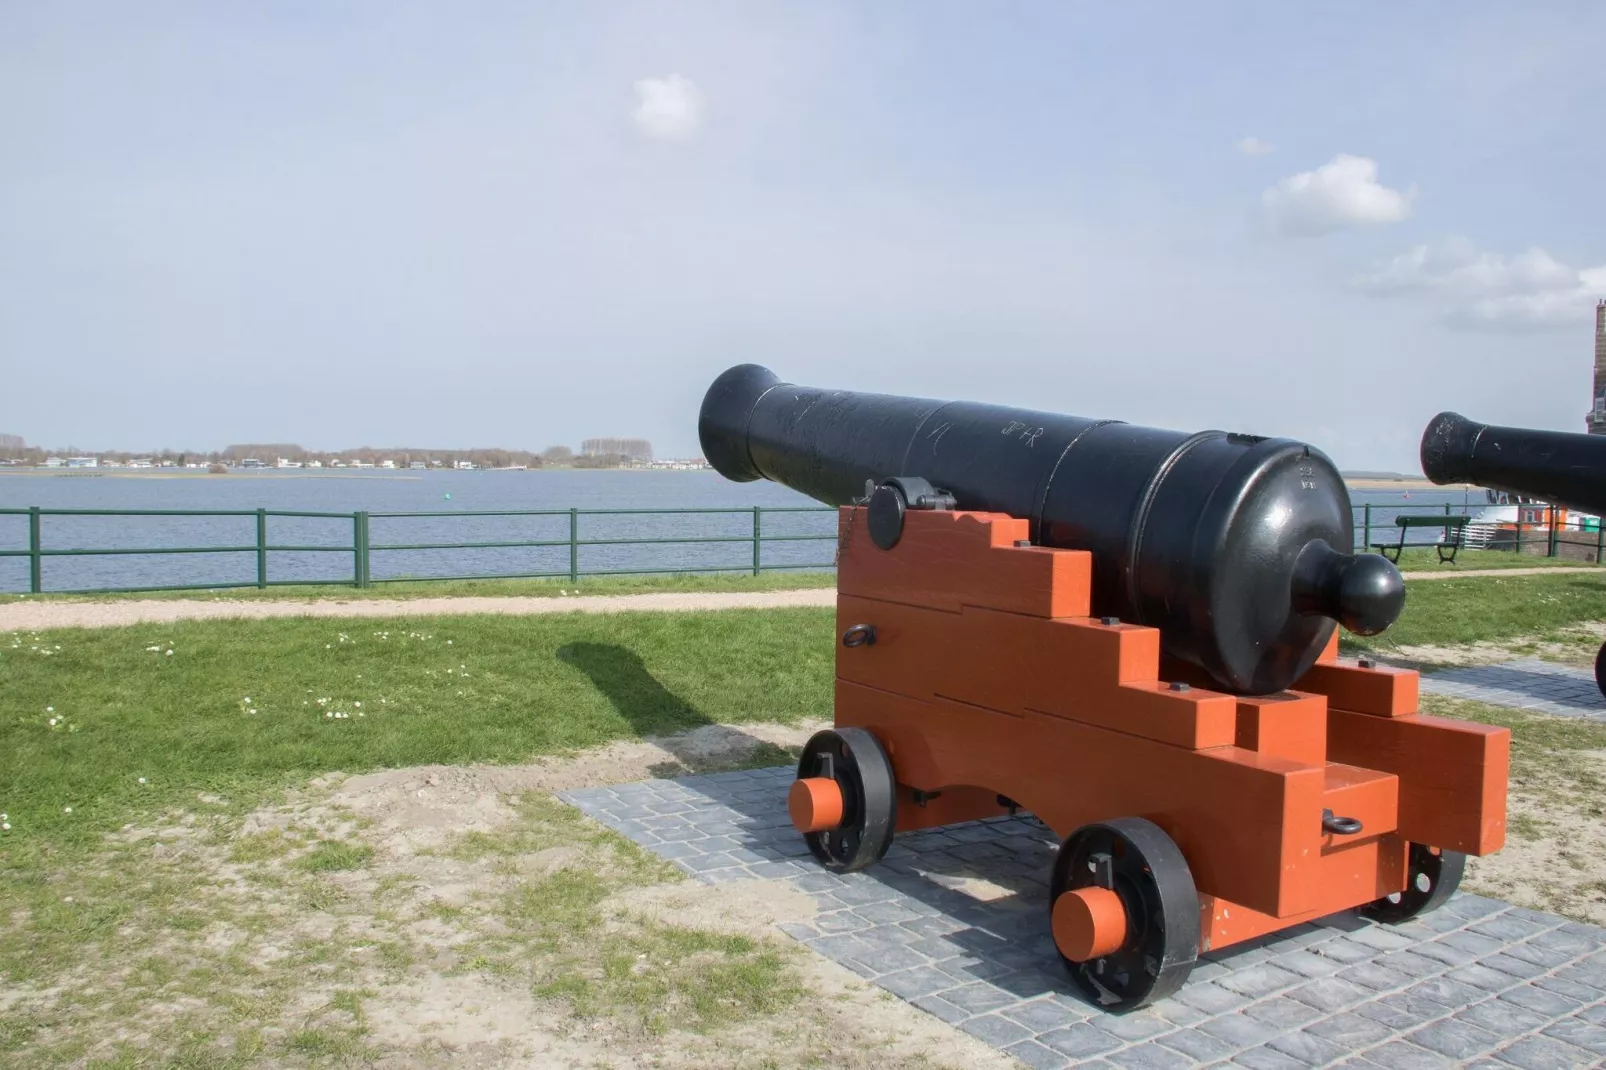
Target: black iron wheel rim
(857, 762)
(1152, 879)
(1431, 878)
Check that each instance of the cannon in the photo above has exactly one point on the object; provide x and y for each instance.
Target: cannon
(1557, 467)
(1130, 634)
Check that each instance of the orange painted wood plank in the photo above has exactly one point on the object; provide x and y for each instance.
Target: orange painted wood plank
(946, 560)
(1382, 691)
(1371, 797)
(1452, 774)
(1013, 663)
(1249, 824)
(1349, 879)
(1288, 724)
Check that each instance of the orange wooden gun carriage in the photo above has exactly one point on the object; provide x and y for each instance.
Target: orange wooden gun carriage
(1132, 635)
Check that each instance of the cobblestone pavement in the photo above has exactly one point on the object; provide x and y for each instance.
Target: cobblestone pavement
(1529, 684)
(1477, 983)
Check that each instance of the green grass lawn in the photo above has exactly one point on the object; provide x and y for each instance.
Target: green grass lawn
(1447, 612)
(239, 708)
(539, 588)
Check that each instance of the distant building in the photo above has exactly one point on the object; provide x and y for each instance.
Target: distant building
(464, 465)
(1596, 420)
(416, 464)
(283, 463)
(142, 462)
(82, 462)
(387, 464)
(252, 462)
(54, 462)
(314, 464)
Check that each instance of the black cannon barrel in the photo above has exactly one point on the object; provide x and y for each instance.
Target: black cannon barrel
(1557, 467)
(1237, 547)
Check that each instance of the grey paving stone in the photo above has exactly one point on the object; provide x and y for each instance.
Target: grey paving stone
(1080, 1041)
(1403, 1055)
(1264, 1058)
(1049, 1013)
(996, 1030)
(1455, 1038)
(1579, 1033)
(1281, 1013)
(1138, 1025)
(1371, 975)
(1257, 981)
(1240, 1030)
(1340, 991)
(1150, 1056)
(1038, 1056)
(1308, 1048)
(1350, 1031)
(1545, 1053)
(919, 981)
(1502, 1018)
(1542, 1000)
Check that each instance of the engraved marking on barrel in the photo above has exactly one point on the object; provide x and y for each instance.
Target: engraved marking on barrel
(915, 927)
(937, 433)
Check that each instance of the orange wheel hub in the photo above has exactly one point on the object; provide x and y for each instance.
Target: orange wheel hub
(1089, 923)
(815, 804)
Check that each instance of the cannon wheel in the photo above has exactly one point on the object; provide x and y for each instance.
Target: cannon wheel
(858, 763)
(1137, 860)
(1431, 878)
(1600, 670)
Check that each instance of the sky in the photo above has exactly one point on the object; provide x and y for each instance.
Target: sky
(526, 224)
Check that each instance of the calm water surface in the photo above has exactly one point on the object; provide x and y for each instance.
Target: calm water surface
(469, 492)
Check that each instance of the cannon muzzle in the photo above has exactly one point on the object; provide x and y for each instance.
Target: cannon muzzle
(1557, 467)
(1238, 548)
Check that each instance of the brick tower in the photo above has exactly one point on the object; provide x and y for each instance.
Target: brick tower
(1596, 420)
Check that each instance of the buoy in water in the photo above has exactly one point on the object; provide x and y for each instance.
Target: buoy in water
(448, 497)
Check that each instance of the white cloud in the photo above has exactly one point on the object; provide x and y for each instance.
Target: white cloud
(1253, 146)
(1342, 193)
(670, 108)
(1487, 290)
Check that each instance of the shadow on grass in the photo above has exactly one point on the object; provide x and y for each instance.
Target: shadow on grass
(653, 711)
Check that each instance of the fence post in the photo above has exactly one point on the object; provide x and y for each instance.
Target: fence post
(367, 575)
(1600, 538)
(574, 546)
(1555, 531)
(262, 548)
(1366, 532)
(758, 543)
(356, 549)
(35, 573)
(1519, 530)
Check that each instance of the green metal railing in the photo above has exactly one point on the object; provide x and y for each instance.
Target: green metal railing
(362, 547)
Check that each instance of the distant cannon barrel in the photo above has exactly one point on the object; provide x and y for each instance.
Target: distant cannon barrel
(1238, 548)
(1557, 467)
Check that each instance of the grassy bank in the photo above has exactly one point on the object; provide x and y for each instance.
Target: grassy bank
(1529, 610)
(1426, 559)
(539, 588)
(232, 709)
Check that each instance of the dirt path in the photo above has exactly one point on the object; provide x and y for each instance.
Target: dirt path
(33, 616)
(1562, 570)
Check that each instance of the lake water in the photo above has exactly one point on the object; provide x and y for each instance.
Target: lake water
(470, 492)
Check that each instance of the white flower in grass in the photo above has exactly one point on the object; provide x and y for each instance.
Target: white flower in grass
(328, 713)
(248, 700)
(170, 653)
(52, 722)
(357, 704)
(66, 809)
(50, 709)
(5, 826)
(142, 780)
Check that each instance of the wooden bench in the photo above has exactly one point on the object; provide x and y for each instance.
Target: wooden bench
(1452, 526)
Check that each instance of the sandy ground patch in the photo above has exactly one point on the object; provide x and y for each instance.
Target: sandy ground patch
(456, 916)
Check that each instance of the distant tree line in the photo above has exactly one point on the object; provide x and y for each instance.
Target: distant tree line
(634, 449)
(620, 452)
